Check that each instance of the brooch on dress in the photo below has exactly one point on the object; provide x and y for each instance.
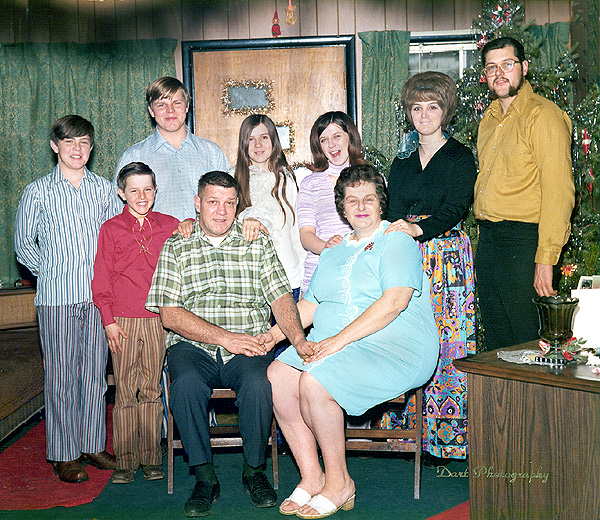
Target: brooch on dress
(368, 247)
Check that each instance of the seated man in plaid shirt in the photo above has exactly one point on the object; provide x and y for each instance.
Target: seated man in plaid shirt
(215, 292)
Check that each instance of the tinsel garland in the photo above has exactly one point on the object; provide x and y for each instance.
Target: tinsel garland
(266, 86)
(292, 134)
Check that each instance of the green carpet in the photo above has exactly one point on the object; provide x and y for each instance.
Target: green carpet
(384, 491)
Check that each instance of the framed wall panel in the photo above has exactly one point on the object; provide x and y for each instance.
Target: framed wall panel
(292, 80)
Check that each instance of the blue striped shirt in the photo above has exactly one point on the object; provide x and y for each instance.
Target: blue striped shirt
(56, 234)
(177, 170)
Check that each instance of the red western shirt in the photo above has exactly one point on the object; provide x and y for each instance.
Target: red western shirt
(125, 262)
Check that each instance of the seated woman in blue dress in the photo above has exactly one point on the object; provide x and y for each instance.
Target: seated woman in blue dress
(373, 338)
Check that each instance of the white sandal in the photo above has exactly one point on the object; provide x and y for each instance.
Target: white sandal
(298, 496)
(325, 507)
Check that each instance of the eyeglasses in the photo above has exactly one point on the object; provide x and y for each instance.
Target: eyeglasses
(505, 66)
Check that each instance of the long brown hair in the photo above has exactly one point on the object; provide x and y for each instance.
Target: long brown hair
(277, 164)
(320, 162)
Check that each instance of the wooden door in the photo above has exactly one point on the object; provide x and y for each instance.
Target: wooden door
(293, 86)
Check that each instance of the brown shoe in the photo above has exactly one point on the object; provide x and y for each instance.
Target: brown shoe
(123, 476)
(71, 471)
(102, 460)
(152, 472)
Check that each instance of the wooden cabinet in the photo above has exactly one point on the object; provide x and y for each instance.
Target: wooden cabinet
(17, 309)
(534, 439)
(21, 366)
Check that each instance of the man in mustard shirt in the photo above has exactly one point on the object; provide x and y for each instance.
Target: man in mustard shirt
(524, 196)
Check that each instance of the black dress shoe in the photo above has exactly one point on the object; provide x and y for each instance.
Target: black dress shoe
(204, 495)
(102, 460)
(260, 490)
(71, 471)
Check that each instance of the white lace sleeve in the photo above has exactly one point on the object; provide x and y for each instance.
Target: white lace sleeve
(255, 213)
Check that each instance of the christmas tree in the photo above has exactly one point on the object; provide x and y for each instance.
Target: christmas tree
(581, 254)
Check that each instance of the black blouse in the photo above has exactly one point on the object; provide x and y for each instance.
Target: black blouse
(443, 190)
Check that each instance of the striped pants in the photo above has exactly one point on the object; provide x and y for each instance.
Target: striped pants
(75, 353)
(138, 409)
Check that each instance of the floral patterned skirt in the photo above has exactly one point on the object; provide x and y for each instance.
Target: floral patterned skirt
(448, 262)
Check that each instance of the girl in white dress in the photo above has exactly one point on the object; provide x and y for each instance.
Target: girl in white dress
(268, 192)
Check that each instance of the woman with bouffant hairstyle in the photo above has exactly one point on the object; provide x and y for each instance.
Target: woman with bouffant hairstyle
(430, 86)
(431, 187)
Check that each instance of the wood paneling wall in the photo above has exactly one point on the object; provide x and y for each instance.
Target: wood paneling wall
(104, 20)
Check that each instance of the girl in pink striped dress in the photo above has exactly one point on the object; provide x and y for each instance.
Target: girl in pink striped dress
(335, 144)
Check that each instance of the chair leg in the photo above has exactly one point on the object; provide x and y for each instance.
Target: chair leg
(170, 462)
(171, 445)
(275, 454)
(418, 440)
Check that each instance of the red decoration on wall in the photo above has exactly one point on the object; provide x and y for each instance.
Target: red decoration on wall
(275, 29)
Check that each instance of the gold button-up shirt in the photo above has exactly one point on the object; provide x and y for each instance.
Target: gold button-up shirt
(525, 172)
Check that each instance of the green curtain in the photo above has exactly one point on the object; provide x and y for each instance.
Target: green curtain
(554, 42)
(384, 72)
(103, 82)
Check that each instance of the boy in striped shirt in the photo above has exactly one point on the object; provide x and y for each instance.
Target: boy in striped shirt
(56, 235)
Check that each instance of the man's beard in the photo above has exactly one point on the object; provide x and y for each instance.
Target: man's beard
(512, 91)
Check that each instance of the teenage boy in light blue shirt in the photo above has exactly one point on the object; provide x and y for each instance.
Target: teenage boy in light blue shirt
(177, 156)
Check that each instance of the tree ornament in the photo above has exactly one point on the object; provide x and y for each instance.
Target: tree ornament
(585, 142)
(275, 29)
(290, 14)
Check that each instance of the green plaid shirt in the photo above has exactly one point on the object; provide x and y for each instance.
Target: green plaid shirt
(231, 286)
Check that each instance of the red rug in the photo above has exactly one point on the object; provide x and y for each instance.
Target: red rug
(459, 512)
(29, 482)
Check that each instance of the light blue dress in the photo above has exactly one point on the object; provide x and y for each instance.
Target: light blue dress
(391, 361)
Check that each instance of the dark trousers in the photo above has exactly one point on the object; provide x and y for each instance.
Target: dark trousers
(505, 269)
(194, 374)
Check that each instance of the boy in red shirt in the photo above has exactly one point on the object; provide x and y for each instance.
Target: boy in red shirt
(128, 249)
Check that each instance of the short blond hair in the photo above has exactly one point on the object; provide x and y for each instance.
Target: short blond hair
(166, 87)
